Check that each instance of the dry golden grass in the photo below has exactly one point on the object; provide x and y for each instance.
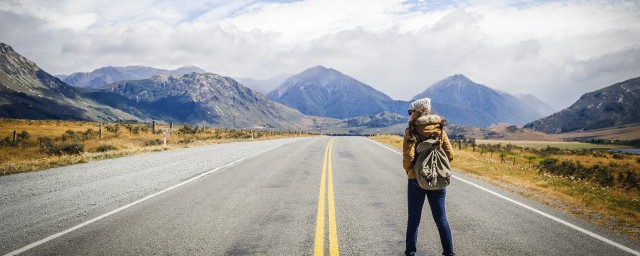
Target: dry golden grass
(625, 132)
(557, 144)
(29, 156)
(611, 207)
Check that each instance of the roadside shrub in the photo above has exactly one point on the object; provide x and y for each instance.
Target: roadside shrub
(548, 163)
(602, 175)
(154, 142)
(7, 142)
(599, 173)
(23, 136)
(45, 141)
(133, 129)
(549, 151)
(617, 156)
(185, 129)
(72, 148)
(629, 180)
(113, 128)
(186, 141)
(88, 134)
(69, 134)
(62, 149)
(105, 148)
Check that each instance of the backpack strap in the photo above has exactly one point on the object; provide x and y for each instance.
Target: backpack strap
(419, 139)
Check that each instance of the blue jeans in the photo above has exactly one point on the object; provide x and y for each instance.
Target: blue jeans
(415, 198)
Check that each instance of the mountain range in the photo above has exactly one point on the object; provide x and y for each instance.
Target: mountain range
(322, 91)
(318, 98)
(106, 75)
(465, 102)
(203, 98)
(27, 91)
(614, 105)
(327, 92)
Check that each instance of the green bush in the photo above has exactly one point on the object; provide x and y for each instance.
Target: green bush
(105, 148)
(62, 149)
(45, 141)
(23, 136)
(154, 142)
(185, 129)
(599, 173)
(602, 175)
(186, 141)
(7, 142)
(617, 156)
(630, 180)
(112, 128)
(69, 134)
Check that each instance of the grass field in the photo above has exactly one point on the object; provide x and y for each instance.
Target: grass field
(42, 144)
(558, 144)
(625, 132)
(594, 185)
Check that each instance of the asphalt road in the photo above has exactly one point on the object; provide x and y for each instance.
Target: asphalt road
(263, 198)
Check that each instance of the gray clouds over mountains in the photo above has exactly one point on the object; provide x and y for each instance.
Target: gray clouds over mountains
(555, 50)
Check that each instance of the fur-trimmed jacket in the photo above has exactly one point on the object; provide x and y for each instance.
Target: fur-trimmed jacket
(427, 126)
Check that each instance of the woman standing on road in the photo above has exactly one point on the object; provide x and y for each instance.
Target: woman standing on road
(425, 124)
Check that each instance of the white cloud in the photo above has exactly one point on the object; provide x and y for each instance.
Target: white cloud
(556, 50)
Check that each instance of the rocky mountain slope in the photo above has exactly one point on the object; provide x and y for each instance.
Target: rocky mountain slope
(27, 91)
(203, 98)
(498, 132)
(107, 75)
(322, 91)
(464, 102)
(613, 105)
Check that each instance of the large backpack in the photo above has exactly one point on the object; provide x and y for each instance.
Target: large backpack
(431, 166)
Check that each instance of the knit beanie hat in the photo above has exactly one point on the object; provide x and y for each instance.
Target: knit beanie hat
(421, 104)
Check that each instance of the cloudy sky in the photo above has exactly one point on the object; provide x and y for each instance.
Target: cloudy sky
(555, 50)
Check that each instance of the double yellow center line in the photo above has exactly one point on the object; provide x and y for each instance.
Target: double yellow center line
(327, 174)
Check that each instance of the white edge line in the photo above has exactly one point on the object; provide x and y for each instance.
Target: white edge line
(594, 235)
(59, 234)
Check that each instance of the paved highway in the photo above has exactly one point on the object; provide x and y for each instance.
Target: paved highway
(310, 196)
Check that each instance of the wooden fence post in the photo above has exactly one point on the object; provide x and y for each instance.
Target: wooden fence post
(15, 136)
(170, 127)
(164, 133)
(153, 125)
(100, 132)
